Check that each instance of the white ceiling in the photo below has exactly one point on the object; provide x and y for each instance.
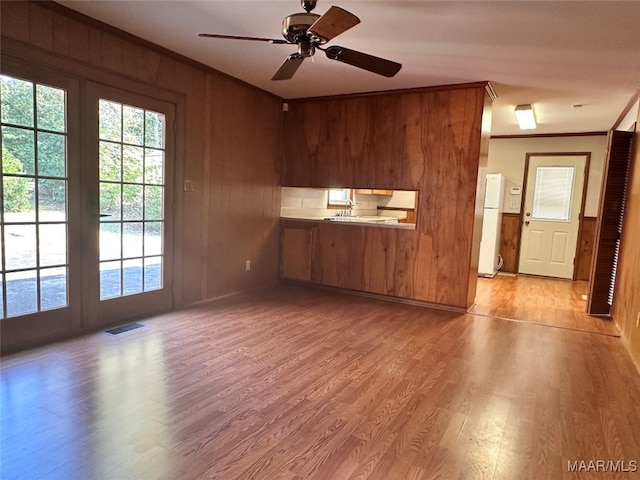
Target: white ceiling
(552, 54)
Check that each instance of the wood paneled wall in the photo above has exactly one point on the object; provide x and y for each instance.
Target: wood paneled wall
(626, 300)
(585, 248)
(510, 242)
(229, 142)
(428, 140)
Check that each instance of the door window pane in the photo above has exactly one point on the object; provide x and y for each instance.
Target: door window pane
(51, 155)
(17, 101)
(132, 193)
(34, 236)
(18, 146)
(53, 288)
(18, 200)
(552, 194)
(22, 292)
(50, 108)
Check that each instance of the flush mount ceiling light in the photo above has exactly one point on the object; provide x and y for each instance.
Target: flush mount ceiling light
(524, 115)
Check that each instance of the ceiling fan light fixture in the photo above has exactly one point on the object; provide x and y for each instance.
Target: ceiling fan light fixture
(526, 118)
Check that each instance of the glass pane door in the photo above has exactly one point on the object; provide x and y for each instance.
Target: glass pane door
(128, 266)
(34, 223)
(131, 183)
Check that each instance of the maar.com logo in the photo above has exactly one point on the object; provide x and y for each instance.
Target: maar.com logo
(602, 466)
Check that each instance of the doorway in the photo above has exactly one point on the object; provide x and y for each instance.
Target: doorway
(86, 217)
(130, 198)
(553, 206)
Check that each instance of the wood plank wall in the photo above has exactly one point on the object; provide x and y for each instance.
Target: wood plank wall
(233, 213)
(428, 140)
(626, 300)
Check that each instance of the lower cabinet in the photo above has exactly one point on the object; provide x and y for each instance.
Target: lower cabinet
(296, 254)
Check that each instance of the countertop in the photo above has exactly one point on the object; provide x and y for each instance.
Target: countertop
(368, 221)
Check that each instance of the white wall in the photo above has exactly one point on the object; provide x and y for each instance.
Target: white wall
(630, 118)
(507, 156)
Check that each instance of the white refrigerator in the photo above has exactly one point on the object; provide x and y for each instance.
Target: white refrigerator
(491, 226)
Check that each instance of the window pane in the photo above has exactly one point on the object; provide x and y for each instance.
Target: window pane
(132, 170)
(53, 244)
(110, 199)
(552, 195)
(154, 130)
(152, 238)
(110, 161)
(22, 293)
(110, 241)
(18, 151)
(52, 200)
(110, 280)
(132, 240)
(110, 121)
(339, 196)
(153, 166)
(53, 288)
(132, 202)
(133, 125)
(153, 203)
(50, 108)
(18, 199)
(132, 276)
(17, 101)
(51, 155)
(20, 246)
(152, 273)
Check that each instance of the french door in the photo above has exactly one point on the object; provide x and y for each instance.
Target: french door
(128, 258)
(40, 278)
(86, 219)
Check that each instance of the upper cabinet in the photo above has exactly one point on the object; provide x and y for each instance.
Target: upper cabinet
(374, 191)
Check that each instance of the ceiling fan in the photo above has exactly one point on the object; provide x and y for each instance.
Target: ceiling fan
(310, 32)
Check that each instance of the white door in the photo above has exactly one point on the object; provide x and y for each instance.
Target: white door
(551, 218)
(128, 271)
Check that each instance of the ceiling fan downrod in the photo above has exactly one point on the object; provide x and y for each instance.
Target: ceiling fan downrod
(308, 5)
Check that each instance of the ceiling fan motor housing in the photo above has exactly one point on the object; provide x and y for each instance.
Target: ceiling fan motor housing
(294, 27)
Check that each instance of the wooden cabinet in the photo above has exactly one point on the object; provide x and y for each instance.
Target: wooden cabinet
(374, 191)
(297, 249)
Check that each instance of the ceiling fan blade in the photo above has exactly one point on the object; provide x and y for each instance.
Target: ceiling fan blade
(235, 37)
(365, 61)
(289, 67)
(334, 22)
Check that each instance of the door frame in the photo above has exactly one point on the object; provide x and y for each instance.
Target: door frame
(582, 205)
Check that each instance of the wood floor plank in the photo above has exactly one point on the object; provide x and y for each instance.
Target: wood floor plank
(547, 301)
(305, 384)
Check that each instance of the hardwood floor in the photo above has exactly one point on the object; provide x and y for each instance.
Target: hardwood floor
(547, 301)
(298, 383)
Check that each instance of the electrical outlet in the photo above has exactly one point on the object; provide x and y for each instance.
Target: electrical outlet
(247, 265)
(188, 186)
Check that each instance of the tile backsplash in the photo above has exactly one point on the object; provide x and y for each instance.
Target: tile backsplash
(312, 202)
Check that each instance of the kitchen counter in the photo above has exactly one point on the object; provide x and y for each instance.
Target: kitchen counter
(367, 221)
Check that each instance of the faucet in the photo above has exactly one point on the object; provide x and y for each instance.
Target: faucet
(349, 204)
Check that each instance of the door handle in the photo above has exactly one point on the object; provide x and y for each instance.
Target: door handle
(527, 222)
